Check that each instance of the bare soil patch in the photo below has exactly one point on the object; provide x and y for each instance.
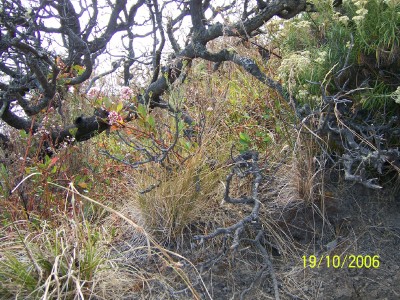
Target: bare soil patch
(350, 220)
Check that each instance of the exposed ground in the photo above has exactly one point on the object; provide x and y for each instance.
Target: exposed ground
(357, 221)
(360, 222)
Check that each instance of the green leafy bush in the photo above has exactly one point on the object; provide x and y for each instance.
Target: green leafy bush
(357, 42)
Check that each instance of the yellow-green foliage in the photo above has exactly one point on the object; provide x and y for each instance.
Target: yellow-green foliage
(315, 47)
(52, 262)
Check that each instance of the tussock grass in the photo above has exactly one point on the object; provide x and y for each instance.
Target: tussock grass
(52, 262)
(77, 259)
(179, 199)
(309, 165)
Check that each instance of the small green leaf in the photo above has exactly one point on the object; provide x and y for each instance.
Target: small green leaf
(244, 137)
(142, 111)
(267, 139)
(31, 170)
(73, 131)
(23, 134)
(79, 69)
(187, 145)
(46, 160)
(151, 121)
(98, 102)
(278, 128)
(119, 107)
(107, 102)
(181, 125)
(244, 143)
(54, 170)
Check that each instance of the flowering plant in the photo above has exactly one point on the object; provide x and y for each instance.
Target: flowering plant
(114, 118)
(114, 105)
(126, 93)
(93, 93)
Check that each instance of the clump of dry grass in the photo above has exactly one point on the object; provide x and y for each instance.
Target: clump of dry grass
(178, 198)
(52, 262)
(76, 259)
(309, 166)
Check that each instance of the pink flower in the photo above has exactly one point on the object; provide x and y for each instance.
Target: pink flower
(126, 93)
(93, 92)
(114, 118)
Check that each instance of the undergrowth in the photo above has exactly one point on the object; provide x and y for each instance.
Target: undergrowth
(62, 243)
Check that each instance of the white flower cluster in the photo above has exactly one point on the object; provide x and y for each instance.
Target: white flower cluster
(126, 93)
(304, 24)
(41, 131)
(114, 118)
(341, 18)
(361, 10)
(303, 94)
(295, 64)
(344, 20)
(68, 141)
(322, 55)
(396, 95)
(391, 3)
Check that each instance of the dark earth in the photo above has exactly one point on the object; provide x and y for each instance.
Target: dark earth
(357, 221)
